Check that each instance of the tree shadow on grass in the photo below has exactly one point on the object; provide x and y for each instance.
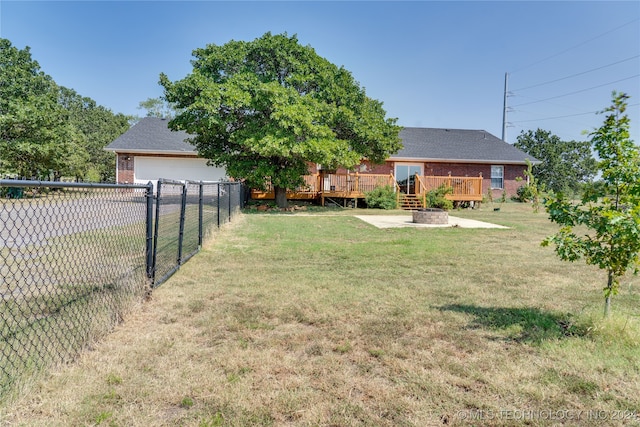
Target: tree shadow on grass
(522, 324)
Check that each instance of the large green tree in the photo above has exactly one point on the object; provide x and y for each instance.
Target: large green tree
(564, 164)
(263, 109)
(604, 226)
(35, 137)
(157, 107)
(48, 131)
(96, 126)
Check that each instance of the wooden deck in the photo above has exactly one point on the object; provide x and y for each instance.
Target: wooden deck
(465, 189)
(354, 186)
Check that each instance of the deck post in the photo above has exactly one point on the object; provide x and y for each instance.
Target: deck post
(321, 186)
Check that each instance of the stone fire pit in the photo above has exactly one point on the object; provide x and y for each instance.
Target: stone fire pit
(431, 216)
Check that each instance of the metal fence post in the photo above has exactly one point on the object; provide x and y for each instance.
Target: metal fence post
(218, 204)
(149, 230)
(200, 210)
(183, 208)
(229, 193)
(155, 233)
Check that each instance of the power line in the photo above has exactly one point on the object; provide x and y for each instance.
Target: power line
(577, 91)
(575, 46)
(517, 123)
(561, 117)
(556, 117)
(576, 74)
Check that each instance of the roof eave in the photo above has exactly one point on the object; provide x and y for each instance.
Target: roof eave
(142, 151)
(483, 161)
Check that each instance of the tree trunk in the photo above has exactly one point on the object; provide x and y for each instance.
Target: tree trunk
(281, 197)
(607, 306)
(608, 293)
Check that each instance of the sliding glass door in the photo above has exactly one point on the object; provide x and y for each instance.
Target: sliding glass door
(406, 176)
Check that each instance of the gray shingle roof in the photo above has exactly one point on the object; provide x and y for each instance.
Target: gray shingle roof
(152, 135)
(460, 145)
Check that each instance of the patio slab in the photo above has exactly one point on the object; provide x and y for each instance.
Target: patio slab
(396, 221)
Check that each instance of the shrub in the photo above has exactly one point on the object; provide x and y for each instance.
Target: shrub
(526, 193)
(93, 175)
(436, 198)
(382, 198)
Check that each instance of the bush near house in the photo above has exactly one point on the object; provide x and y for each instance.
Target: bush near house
(436, 198)
(382, 198)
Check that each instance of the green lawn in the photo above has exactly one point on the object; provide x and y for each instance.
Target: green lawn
(288, 319)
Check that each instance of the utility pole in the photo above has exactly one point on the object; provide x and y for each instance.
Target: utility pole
(504, 108)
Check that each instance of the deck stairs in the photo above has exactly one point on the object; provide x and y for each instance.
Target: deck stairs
(410, 202)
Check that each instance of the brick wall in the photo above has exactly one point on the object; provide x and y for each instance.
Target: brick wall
(511, 174)
(125, 169)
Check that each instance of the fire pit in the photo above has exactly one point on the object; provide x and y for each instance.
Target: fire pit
(431, 216)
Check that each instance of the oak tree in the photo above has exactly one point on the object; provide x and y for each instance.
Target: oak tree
(264, 109)
(604, 226)
(96, 126)
(49, 131)
(564, 164)
(157, 107)
(35, 137)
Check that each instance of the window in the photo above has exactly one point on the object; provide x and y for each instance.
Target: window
(497, 177)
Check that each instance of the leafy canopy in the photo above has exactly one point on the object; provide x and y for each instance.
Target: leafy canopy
(265, 108)
(34, 137)
(564, 164)
(609, 213)
(96, 126)
(46, 129)
(157, 107)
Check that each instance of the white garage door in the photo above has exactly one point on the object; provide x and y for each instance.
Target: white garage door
(147, 169)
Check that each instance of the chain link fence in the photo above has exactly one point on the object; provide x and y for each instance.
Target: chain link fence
(187, 213)
(75, 258)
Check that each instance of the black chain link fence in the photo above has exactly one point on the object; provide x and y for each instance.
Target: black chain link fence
(75, 258)
(187, 213)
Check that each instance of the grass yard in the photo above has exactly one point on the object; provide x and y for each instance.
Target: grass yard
(325, 320)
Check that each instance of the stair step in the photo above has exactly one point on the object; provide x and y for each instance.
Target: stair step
(410, 202)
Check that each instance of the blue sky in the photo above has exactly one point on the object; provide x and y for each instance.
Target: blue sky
(432, 64)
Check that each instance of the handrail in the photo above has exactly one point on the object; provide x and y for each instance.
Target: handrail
(423, 193)
(398, 191)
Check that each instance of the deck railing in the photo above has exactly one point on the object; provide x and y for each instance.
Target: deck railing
(344, 185)
(356, 185)
(311, 184)
(309, 190)
(464, 188)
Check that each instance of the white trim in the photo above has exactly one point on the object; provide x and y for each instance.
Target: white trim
(487, 162)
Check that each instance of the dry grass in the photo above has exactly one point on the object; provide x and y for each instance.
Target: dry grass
(303, 320)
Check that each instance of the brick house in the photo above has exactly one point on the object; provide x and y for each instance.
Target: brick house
(457, 152)
(149, 150)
